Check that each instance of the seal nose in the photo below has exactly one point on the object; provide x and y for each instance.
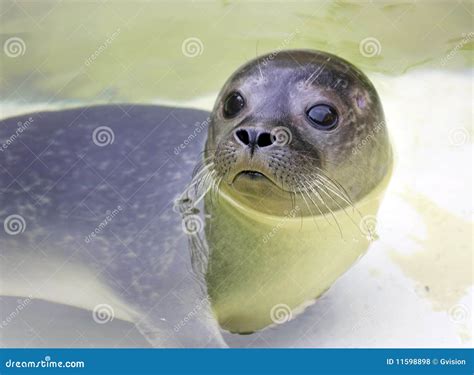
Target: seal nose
(253, 137)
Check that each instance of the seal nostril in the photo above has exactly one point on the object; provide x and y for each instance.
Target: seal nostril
(243, 136)
(252, 138)
(264, 139)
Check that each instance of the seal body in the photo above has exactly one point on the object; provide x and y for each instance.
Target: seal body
(87, 217)
(300, 148)
(297, 154)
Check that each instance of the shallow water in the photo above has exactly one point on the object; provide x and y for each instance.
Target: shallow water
(419, 274)
(138, 48)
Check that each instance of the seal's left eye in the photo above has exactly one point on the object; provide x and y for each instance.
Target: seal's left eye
(233, 104)
(323, 116)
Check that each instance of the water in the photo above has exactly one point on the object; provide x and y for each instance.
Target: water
(133, 51)
(418, 275)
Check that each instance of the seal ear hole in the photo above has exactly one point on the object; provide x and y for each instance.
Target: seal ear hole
(361, 102)
(322, 116)
(233, 104)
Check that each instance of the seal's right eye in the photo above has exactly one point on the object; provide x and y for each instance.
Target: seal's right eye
(233, 104)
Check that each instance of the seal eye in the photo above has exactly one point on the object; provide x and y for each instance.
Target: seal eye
(233, 104)
(323, 116)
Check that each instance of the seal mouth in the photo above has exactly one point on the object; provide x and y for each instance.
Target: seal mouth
(254, 183)
(253, 175)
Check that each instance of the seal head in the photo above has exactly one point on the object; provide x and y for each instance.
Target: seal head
(299, 126)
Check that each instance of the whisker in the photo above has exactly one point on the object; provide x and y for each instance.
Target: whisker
(337, 186)
(311, 212)
(321, 198)
(307, 205)
(331, 184)
(323, 188)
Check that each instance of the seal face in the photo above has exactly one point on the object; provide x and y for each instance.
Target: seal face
(301, 125)
(295, 138)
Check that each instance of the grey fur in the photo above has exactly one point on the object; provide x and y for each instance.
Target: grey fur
(65, 186)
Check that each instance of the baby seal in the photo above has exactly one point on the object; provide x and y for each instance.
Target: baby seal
(300, 155)
(297, 158)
